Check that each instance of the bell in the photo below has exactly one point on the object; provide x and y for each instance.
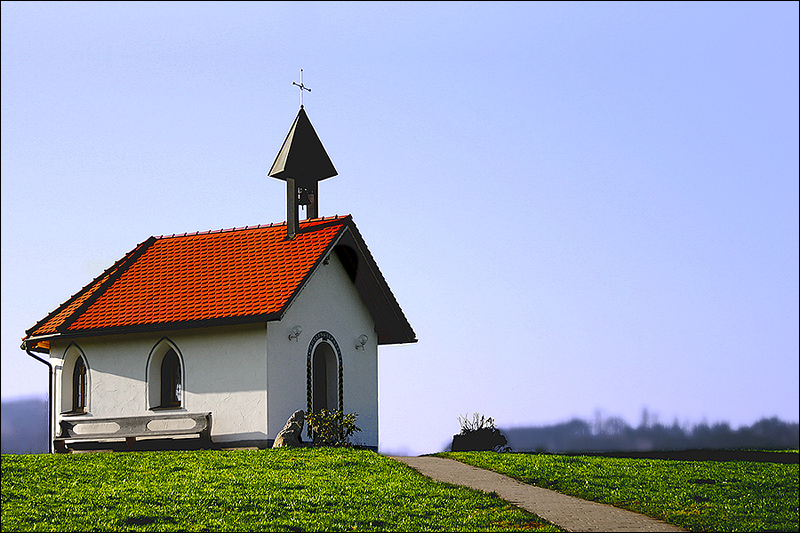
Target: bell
(305, 197)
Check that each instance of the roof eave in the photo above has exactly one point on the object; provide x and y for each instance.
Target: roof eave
(183, 324)
(33, 343)
(392, 326)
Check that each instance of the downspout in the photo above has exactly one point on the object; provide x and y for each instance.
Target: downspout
(49, 396)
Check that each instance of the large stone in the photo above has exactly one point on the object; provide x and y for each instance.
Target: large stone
(290, 435)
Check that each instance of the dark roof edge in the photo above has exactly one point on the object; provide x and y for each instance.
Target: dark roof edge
(180, 324)
(407, 333)
(85, 288)
(344, 221)
(121, 269)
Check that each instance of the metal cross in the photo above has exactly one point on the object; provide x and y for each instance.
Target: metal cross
(302, 87)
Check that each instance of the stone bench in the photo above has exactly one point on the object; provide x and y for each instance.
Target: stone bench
(132, 427)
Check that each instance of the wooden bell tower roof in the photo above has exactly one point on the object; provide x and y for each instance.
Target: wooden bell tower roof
(302, 156)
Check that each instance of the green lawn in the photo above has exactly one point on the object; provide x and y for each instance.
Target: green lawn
(319, 489)
(696, 495)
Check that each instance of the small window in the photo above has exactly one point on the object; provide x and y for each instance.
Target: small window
(79, 386)
(170, 380)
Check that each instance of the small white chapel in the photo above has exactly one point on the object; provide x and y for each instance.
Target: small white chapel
(215, 338)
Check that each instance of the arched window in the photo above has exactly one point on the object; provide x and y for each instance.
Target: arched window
(79, 386)
(74, 382)
(165, 376)
(324, 386)
(324, 377)
(170, 380)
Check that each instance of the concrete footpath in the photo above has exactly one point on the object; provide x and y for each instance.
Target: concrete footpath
(567, 512)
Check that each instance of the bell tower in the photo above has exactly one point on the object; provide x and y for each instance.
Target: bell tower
(302, 162)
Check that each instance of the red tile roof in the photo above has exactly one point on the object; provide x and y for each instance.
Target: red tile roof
(219, 277)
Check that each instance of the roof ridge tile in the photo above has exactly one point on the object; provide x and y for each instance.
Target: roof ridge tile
(248, 227)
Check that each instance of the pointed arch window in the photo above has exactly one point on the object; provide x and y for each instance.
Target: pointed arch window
(324, 387)
(170, 380)
(79, 386)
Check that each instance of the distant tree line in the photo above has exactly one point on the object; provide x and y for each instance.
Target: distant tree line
(614, 434)
(24, 426)
(24, 430)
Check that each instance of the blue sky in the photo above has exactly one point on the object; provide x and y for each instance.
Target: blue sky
(581, 207)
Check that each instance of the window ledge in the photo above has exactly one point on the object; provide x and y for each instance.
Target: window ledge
(74, 413)
(168, 408)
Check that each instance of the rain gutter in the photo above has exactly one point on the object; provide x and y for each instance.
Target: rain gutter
(49, 396)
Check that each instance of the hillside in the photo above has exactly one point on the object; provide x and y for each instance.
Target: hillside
(24, 426)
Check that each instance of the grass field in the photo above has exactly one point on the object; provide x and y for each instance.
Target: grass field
(318, 489)
(334, 489)
(695, 495)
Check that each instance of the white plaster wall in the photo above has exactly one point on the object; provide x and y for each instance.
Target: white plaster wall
(231, 381)
(329, 302)
(224, 372)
